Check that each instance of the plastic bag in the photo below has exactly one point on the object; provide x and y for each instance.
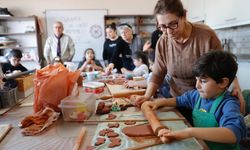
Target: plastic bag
(51, 84)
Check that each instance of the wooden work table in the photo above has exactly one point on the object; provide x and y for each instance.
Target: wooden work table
(61, 135)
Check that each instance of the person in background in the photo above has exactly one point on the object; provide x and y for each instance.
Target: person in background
(140, 61)
(215, 112)
(110, 45)
(181, 44)
(59, 45)
(164, 88)
(13, 66)
(134, 41)
(89, 62)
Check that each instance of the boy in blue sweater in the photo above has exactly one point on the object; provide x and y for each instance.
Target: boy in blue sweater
(216, 113)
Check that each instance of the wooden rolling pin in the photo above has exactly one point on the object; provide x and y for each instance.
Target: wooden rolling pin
(79, 139)
(128, 93)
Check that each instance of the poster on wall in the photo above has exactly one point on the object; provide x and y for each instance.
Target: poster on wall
(86, 27)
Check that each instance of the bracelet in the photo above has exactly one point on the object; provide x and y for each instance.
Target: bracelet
(158, 129)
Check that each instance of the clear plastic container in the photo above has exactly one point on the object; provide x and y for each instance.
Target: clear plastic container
(76, 108)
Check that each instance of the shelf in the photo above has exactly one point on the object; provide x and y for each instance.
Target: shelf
(25, 33)
(14, 47)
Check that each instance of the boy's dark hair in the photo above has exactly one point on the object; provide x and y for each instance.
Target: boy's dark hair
(170, 6)
(216, 64)
(16, 53)
(141, 55)
(112, 26)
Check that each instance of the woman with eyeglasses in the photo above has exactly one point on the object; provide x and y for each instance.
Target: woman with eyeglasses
(181, 44)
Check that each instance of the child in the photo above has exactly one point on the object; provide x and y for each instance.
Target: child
(13, 66)
(216, 113)
(140, 61)
(163, 90)
(89, 62)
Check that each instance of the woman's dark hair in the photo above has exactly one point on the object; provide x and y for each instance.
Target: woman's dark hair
(170, 6)
(141, 55)
(85, 52)
(15, 53)
(217, 65)
(111, 26)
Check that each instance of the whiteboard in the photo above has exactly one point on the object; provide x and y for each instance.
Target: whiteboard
(86, 28)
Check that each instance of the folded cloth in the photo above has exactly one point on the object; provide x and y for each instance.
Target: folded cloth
(36, 123)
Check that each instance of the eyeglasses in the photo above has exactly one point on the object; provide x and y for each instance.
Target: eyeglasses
(172, 25)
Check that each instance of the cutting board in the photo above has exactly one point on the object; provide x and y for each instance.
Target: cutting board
(4, 129)
(121, 91)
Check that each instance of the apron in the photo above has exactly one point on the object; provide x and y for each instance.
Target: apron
(205, 119)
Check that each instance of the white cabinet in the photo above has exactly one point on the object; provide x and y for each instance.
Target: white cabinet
(195, 10)
(227, 13)
(21, 33)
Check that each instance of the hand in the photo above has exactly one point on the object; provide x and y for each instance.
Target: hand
(163, 138)
(146, 46)
(140, 99)
(129, 83)
(176, 135)
(149, 105)
(109, 69)
(123, 70)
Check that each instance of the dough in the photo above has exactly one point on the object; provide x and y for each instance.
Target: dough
(111, 117)
(100, 141)
(138, 130)
(114, 142)
(130, 122)
(113, 125)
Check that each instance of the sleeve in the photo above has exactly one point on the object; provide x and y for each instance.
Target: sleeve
(23, 68)
(104, 53)
(233, 119)
(47, 50)
(71, 49)
(4, 68)
(215, 42)
(97, 62)
(188, 99)
(143, 69)
(160, 67)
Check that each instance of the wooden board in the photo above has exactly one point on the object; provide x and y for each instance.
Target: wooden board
(122, 91)
(4, 129)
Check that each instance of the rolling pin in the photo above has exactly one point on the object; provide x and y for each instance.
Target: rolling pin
(128, 93)
(79, 139)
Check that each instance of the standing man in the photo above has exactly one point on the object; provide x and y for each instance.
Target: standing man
(59, 45)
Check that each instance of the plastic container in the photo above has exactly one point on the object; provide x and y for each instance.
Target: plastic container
(77, 108)
(8, 97)
(91, 76)
(93, 87)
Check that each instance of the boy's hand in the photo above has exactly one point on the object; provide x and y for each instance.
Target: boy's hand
(149, 105)
(176, 135)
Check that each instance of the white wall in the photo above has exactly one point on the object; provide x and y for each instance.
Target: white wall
(114, 7)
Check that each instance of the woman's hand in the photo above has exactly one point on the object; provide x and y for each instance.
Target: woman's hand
(140, 100)
(129, 83)
(123, 70)
(109, 69)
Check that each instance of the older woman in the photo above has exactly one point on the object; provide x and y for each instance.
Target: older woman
(181, 44)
